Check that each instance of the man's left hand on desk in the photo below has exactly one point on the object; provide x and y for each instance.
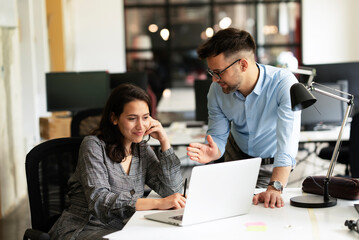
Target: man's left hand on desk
(270, 198)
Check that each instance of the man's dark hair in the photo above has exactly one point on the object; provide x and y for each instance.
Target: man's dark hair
(227, 41)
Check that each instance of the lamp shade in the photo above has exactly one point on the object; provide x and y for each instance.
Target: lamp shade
(300, 97)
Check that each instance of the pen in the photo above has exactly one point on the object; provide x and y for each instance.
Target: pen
(185, 187)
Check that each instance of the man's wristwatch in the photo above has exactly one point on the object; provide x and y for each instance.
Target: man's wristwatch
(276, 185)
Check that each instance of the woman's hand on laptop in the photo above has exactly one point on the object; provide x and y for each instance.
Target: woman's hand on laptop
(203, 153)
(174, 201)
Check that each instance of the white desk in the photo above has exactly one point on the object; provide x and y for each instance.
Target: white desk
(180, 135)
(180, 100)
(261, 223)
(324, 136)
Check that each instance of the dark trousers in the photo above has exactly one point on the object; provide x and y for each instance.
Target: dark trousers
(233, 152)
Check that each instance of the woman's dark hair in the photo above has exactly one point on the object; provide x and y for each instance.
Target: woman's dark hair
(227, 41)
(110, 133)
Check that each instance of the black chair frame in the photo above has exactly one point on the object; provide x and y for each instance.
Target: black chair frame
(81, 115)
(48, 168)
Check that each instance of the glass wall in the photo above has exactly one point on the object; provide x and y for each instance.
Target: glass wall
(162, 35)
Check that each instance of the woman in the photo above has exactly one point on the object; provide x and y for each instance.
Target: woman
(114, 165)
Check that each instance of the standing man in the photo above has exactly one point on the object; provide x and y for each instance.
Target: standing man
(249, 112)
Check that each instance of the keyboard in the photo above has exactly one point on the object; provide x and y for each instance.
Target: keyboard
(178, 217)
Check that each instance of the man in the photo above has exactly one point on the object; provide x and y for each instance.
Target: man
(249, 104)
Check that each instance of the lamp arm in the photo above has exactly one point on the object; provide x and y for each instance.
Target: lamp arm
(310, 79)
(333, 161)
(350, 102)
(298, 91)
(311, 72)
(337, 144)
(347, 100)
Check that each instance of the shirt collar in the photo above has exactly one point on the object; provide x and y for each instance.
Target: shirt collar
(259, 85)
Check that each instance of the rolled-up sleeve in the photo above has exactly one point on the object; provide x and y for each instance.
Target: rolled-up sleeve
(218, 123)
(288, 125)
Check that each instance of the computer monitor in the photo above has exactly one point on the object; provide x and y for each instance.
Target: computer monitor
(201, 88)
(139, 79)
(327, 111)
(74, 91)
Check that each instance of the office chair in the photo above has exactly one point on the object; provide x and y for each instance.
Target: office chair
(201, 88)
(354, 147)
(48, 166)
(343, 158)
(349, 151)
(85, 121)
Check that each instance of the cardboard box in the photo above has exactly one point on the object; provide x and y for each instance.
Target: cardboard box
(55, 127)
(61, 114)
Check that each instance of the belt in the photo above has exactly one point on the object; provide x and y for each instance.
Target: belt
(267, 161)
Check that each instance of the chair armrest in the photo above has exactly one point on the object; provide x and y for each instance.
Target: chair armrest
(35, 234)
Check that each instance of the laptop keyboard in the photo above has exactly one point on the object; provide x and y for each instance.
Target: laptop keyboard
(178, 217)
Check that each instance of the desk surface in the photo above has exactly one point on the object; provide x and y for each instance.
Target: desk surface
(180, 100)
(180, 135)
(325, 135)
(260, 223)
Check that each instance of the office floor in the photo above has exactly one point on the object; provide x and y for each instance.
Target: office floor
(13, 226)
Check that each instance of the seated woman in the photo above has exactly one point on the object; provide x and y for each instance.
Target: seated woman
(114, 164)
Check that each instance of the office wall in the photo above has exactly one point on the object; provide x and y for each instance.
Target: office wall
(8, 16)
(330, 31)
(94, 35)
(330, 41)
(12, 172)
(340, 71)
(34, 61)
(24, 59)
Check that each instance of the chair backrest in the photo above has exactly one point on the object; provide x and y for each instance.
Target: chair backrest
(353, 146)
(48, 168)
(201, 88)
(85, 121)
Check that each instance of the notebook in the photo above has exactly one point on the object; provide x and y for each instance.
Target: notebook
(216, 191)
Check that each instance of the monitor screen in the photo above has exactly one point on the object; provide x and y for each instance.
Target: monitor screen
(74, 91)
(326, 111)
(139, 79)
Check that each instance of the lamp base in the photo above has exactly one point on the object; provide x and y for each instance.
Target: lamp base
(312, 201)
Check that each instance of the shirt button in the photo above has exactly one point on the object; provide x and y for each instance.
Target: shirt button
(132, 192)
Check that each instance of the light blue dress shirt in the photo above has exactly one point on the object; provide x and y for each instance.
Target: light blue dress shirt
(262, 124)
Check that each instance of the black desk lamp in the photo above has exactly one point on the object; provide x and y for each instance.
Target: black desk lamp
(302, 98)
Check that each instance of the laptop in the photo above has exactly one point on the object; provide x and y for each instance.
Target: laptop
(216, 191)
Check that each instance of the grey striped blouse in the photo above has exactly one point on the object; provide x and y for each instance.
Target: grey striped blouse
(103, 196)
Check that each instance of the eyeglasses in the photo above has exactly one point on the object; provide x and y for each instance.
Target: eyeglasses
(218, 74)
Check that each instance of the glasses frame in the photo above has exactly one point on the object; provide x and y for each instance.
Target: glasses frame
(218, 74)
